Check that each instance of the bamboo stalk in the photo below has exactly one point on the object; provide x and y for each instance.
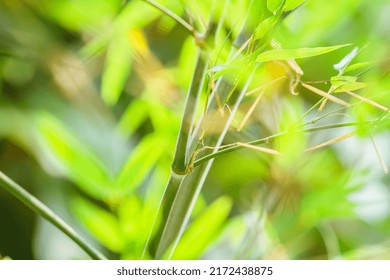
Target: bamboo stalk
(189, 192)
(161, 241)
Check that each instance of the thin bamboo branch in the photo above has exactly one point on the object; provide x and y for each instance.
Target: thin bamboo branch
(379, 155)
(41, 209)
(260, 149)
(250, 111)
(332, 141)
(368, 101)
(326, 95)
(271, 138)
(172, 15)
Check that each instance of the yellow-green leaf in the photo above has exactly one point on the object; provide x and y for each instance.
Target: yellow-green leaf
(275, 5)
(292, 4)
(134, 115)
(140, 163)
(284, 54)
(81, 165)
(100, 223)
(117, 69)
(203, 230)
(359, 65)
(343, 83)
(265, 26)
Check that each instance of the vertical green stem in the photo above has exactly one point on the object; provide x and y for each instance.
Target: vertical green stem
(181, 153)
(160, 243)
(189, 191)
(38, 207)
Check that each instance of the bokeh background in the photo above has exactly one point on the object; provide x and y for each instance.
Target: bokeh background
(91, 97)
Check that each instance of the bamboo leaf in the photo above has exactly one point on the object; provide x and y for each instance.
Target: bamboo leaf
(346, 83)
(78, 161)
(284, 54)
(275, 5)
(140, 163)
(203, 230)
(220, 70)
(342, 80)
(136, 218)
(99, 222)
(134, 115)
(292, 4)
(359, 65)
(351, 87)
(265, 26)
(117, 69)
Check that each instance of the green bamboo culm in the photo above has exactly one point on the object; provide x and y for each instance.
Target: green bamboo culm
(161, 241)
(41, 209)
(164, 237)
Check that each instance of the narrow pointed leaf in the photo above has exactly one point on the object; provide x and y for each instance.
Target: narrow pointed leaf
(203, 230)
(292, 4)
(284, 54)
(357, 66)
(99, 222)
(78, 162)
(140, 163)
(117, 69)
(274, 5)
(346, 83)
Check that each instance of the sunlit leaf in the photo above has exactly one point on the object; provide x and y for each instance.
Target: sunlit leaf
(136, 218)
(292, 4)
(187, 61)
(358, 66)
(283, 54)
(203, 230)
(77, 15)
(117, 69)
(346, 83)
(275, 5)
(140, 162)
(220, 70)
(100, 223)
(81, 165)
(132, 118)
(265, 26)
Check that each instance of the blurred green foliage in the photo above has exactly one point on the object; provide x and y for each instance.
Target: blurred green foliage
(91, 98)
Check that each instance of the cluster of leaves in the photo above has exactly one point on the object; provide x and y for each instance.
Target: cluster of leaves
(101, 108)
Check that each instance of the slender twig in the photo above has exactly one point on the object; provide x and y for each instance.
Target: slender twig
(172, 15)
(379, 155)
(332, 141)
(326, 95)
(41, 209)
(368, 101)
(274, 137)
